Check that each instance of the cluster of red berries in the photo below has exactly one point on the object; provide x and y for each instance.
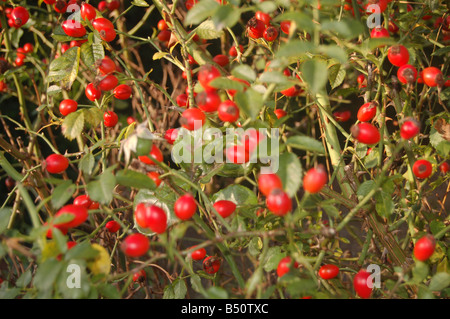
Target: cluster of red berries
(260, 27)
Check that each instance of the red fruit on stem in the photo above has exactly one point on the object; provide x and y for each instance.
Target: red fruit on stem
(379, 32)
(122, 92)
(112, 226)
(208, 101)
(20, 16)
(279, 113)
(228, 111)
(67, 106)
(106, 66)
(237, 154)
(367, 111)
(185, 207)
(110, 118)
(329, 271)
(80, 215)
(407, 74)
(56, 164)
(268, 182)
(140, 276)
(198, 254)
(92, 92)
(424, 248)
(315, 179)
(155, 153)
(83, 200)
(444, 167)
(135, 245)
(155, 178)
(278, 202)
(192, 119)
(366, 133)
(171, 135)
(409, 129)
(221, 60)
(360, 283)
(422, 168)
(342, 116)
(255, 28)
(206, 74)
(88, 12)
(151, 216)
(225, 207)
(284, 266)
(73, 28)
(433, 77)
(398, 55)
(211, 265)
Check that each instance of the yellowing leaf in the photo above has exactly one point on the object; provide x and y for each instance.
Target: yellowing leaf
(102, 263)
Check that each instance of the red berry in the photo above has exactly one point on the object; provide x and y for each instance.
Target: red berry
(228, 111)
(110, 118)
(131, 120)
(88, 12)
(56, 164)
(444, 167)
(198, 254)
(379, 32)
(407, 74)
(255, 28)
(105, 28)
(28, 47)
(155, 177)
(360, 284)
(233, 50)
(424, 248)
(108, 83)
(135, 245)
(211, 265)
(155, 153)
(221, 60)
(171, 135)
(268, 182)
(342, 116)
(164, 35)
(263, 17)
(190, 3)
(112, 226)
(285, 26)
(122, 92)
(367, 112)
(92, 92)
(278, 202)
(328, 271)
(208, 101)
(112, 5)
(206, 74)
(225, 207)
(393, 28)
(20, 16)
(361, 81)
(140, 276)
(192, 119)
(398, 55)
(182, 100)
(151, 216)
(79, 213)
(433, 77)
(237, 154)
(106, 66)
(422, 168)
(292, 91)
(409, 129)
(270, 34)
(279, 113)
(60, 6)
(366, 133)
(162, 25)
(315, 179)
(185, 207)
(83, 200)
(73, 28)
(67, 106)
(102, 6)
(284, 266)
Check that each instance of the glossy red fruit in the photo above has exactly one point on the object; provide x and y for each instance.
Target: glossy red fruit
(422, 168)
(67, 106)
(151, 216)
(105, 28)
(110, 118)
(182, 100)
(49, 233)
(398, 55)
(112, 226)
(87, 12)
(64, 47)
(263, 17)
(433, 77)
(228, 111)
(268, 182)
(83, 200)
(366, 133)
(407, 74)
(285, 265)
(424, 248)
(409, 129)
(19, 61)
(56, 164)
(208, 101)
(131, 120)
(135, 245)
(92, 92)
(162, 25)
(361, 79)
(108, 83)
(192, 119)
(342, 116)
(279, 113)
(234, 52)
(255, 28)
(328, 271)
(20, 16)
(206, 74)
(112, 5)
(10, 183)
(185, 207)
(106, 66)
(190, 3)
(360, 284)
(28, 47)
(221, 60)
(444, 167)
(60, 6)
(155, 153)
(80, 215)
(278, 202)
(164, 35)
(122, 92)
(73, 28)
(285, 26)
(198, 254)
(393, 28)
(140, 276)
(367, 112)
(211, 264)
(155, 178)
(102, 6)
(237, 154)
(50, 2)
(315, 179)
(225, 207)
(379, 32)
(270, 34)
(292, 91)
(171, 135)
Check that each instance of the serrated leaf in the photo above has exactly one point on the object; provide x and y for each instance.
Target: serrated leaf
(217, 293)
(294, 49)
(226, 84)
(92, 52)
(305, 143)
(62, 193)
(101, 190)
(200, 12)
(86, 164)
(73, 125)
(226, 16)
(196, 283)
(134, 179)
(92, 116)
(179, 289)
(250, 102)
(245, 72)
(336, 75)
(440, 281)
(65, 68)
(272, 258)
(290, 172)
(334, 52)
(346, 28)
(384, 204)
(315, 74)
(208, 31)
(53, 90)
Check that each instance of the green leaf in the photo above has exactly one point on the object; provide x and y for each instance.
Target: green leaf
(24, 279)
(5, 215)
(255, 246)
(244, 71)
(290, 172)
(83, 251)
(134, 179)
(87, 163)
(140, 3)
(346, 28)
(435, 226)
(53, 90)
(101, 190)
(441, 145)
(335, 52)
(238, 194)
(179, 289)
(305, 143)
(250, 102)
(441, 51)
(225, 16)
(419, 272)
(272, 258)
(384, 204)
(208, 31)
(216, 293)
(200, 12)
(196, 283)
(65, 68)
(46, 275)
(62, 193)
(336, 75)
(365, 188)
(59, 34)
(73, 125)
(92, 52)
(227, 84)
(295, 49)
(315, 74)
(302, 20)
(168, 292)
(93, 116)
(440, 281)
(275, 77)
